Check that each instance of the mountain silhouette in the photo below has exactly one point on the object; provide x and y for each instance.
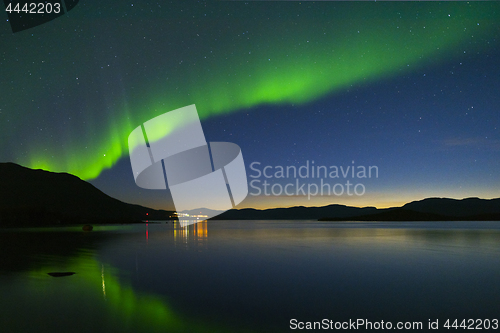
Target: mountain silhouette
(294, 213)
(453, 207)
(395, 214)
(430, 209)
(37, 197)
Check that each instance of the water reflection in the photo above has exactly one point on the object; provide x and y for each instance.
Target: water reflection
(253, 275)
(103, 283)
(192, 234)
(98, 298)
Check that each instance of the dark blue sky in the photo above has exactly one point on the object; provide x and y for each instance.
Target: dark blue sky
(423, 106)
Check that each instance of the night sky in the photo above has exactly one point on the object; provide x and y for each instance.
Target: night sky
(412, 88)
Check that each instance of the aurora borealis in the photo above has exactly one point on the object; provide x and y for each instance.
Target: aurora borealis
(287, 81)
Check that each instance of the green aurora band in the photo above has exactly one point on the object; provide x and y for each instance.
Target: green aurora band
(297, 63)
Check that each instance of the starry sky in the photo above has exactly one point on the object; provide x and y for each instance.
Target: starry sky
(412, 88)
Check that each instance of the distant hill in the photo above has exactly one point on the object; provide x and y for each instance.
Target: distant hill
(434, 209)
(453, 207)
(202, 211)
(294, 213)
(395, 214)
(431, 209)
(37, 197)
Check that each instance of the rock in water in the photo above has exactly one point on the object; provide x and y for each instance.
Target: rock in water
(59, 274)
(87, 227)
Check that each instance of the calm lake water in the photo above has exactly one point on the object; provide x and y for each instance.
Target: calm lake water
(247, 276)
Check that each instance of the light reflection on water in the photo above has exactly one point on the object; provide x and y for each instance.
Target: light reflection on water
(246, 275)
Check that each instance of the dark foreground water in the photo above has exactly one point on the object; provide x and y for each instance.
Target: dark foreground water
(249, 276)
